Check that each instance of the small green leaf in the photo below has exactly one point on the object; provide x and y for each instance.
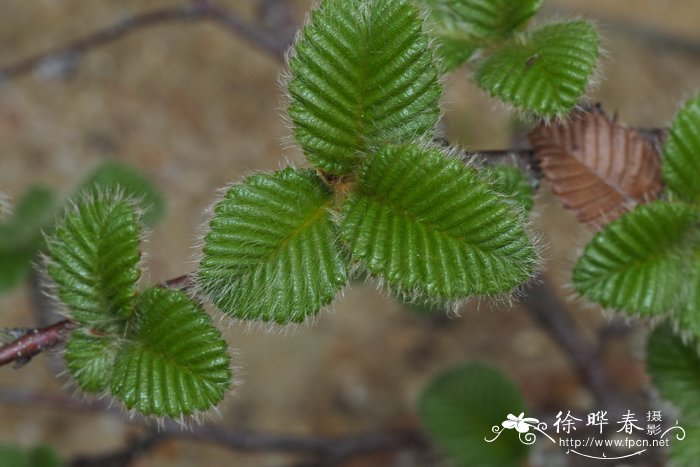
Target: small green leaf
(512, 183)
(681, 162)
(638, 262)
(39, 456)
(113, 176)
(272, 252)
(21, 235)
(459, 409)
(428, 224)
(675, 370)
(174, 361)
(90, 359)
(545, 71)
(462, 26)
(362, 74)
(93, 259)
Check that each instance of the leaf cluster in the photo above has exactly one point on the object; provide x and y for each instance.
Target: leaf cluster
(647, 262)
(156, 351)
(544, 71)
(382, 199)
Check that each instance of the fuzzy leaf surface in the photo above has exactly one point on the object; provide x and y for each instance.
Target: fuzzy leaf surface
(462, 26)
(545, 71)
(429, 224)
(90, 359)
(21, 235)
(674, 367)
(174, 361)
(272, 252)
(681, 162)
(93, 260)
(638, 262)
(362, 74)
(597, 168)
(512, 183)
(686, 316)
(112, 176)
(460, 406)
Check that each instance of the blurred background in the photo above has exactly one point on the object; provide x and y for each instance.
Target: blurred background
(195, 107)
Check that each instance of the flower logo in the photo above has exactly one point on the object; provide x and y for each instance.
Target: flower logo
(520, 423)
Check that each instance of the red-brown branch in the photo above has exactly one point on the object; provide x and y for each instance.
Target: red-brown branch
(34, 341)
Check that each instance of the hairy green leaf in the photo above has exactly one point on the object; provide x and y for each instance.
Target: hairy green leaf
(21, 235)
(674, 367)
(545, 71)
(681, 162)
(462, 26)
(362, 74)
(113, 176)
(90, 359)
(687, 314)
(38, 456)
(426, 223)
(512, 183)
(93, 259)
(272, 252)
(459, 409)
(638, 262)
(174, 361)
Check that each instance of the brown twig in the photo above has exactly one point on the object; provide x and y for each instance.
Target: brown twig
(64, 56)
(32, 342)
(329, 450)
(552, 315)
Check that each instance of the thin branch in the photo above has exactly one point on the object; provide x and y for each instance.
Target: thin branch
(121, 457)
(29, 342)
(185, 283)
(328, 449)
(63, 57)
(552, 315)
(32, 342)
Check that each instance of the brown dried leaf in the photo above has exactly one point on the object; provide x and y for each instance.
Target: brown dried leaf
(597, 168)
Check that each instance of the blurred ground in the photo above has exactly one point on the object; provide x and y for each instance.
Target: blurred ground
(195, 108)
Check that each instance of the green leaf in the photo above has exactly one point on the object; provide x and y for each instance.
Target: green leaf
(93, 259)
(90, 359)
(459, 409)
(21, 235)
(674, 368)
(39, 456)
(428, 224)
(112, 177)
(687, 314)
(5, 209)
(638, 262)
(362, 74)
(680, 165)
(545, 71)
(512, 183)
(272, 252)
(463, 26)
(686, 452)
(174, 361)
